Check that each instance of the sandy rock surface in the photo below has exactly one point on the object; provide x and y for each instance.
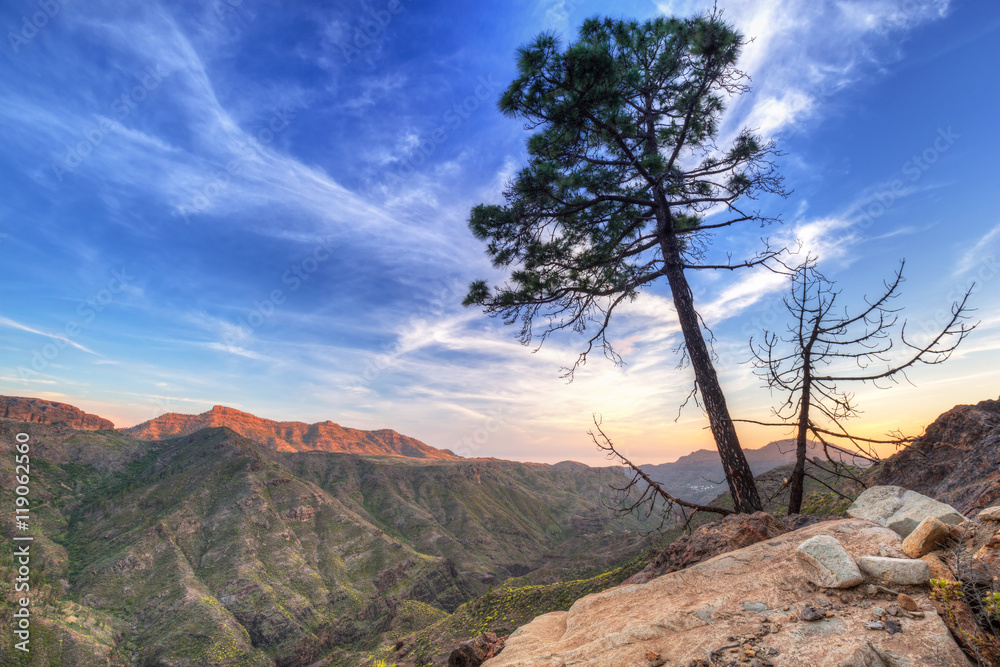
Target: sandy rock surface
(752, 595)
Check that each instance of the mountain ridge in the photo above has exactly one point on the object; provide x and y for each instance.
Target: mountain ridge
(699, 477)
(289, 436)
(213, 548)
(43, 411)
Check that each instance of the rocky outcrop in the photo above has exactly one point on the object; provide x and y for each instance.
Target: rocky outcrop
(290, 436)
(748, 605)
(956, 461)
(732, 532)
(474, 652)
(990, 514)
(40, 411)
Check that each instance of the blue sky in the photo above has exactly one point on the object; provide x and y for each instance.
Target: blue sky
(264, 205)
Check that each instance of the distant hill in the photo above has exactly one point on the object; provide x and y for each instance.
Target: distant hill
(698, 477)
(290, 436)
(41, 411)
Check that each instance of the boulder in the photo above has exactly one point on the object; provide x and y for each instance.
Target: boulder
(827, 562)
(900, 509)
(902, 571)
(749, 594)
(990, 514)
(926, 537)
(474, 652)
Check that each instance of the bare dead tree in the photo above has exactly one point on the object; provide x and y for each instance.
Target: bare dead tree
(826, 347)
(651, 492)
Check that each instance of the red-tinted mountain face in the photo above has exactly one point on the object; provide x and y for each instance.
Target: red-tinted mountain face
(40, 411)
(290, 436)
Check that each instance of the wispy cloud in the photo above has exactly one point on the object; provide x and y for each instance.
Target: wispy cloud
(974, 257)
(804, 51)
(6, 322)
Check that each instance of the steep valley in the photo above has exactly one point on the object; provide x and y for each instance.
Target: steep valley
(211, 548)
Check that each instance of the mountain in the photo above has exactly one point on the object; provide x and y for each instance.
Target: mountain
(698, 477)
(213, 549)
(289, 436)
(40, 411)
(956, 461)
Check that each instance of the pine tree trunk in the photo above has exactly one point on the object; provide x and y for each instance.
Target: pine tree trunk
(738, 473)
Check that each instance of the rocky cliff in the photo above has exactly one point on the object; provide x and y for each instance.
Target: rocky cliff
(956, 461)
(289, 436)
(40, 411)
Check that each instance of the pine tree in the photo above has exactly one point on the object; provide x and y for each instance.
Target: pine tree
(623, 185)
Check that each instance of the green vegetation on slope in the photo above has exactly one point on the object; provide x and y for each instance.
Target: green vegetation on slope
(210, 549)
(500, 611)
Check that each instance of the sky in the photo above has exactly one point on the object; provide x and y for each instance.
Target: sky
(264, 205)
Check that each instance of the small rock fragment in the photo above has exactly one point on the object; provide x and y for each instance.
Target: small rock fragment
(892, 627)
(906, 602)
(874, 625)
(810, 614)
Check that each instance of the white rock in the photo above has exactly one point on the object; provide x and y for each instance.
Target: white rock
(900, 509)
(827, 563)
(903, 571)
